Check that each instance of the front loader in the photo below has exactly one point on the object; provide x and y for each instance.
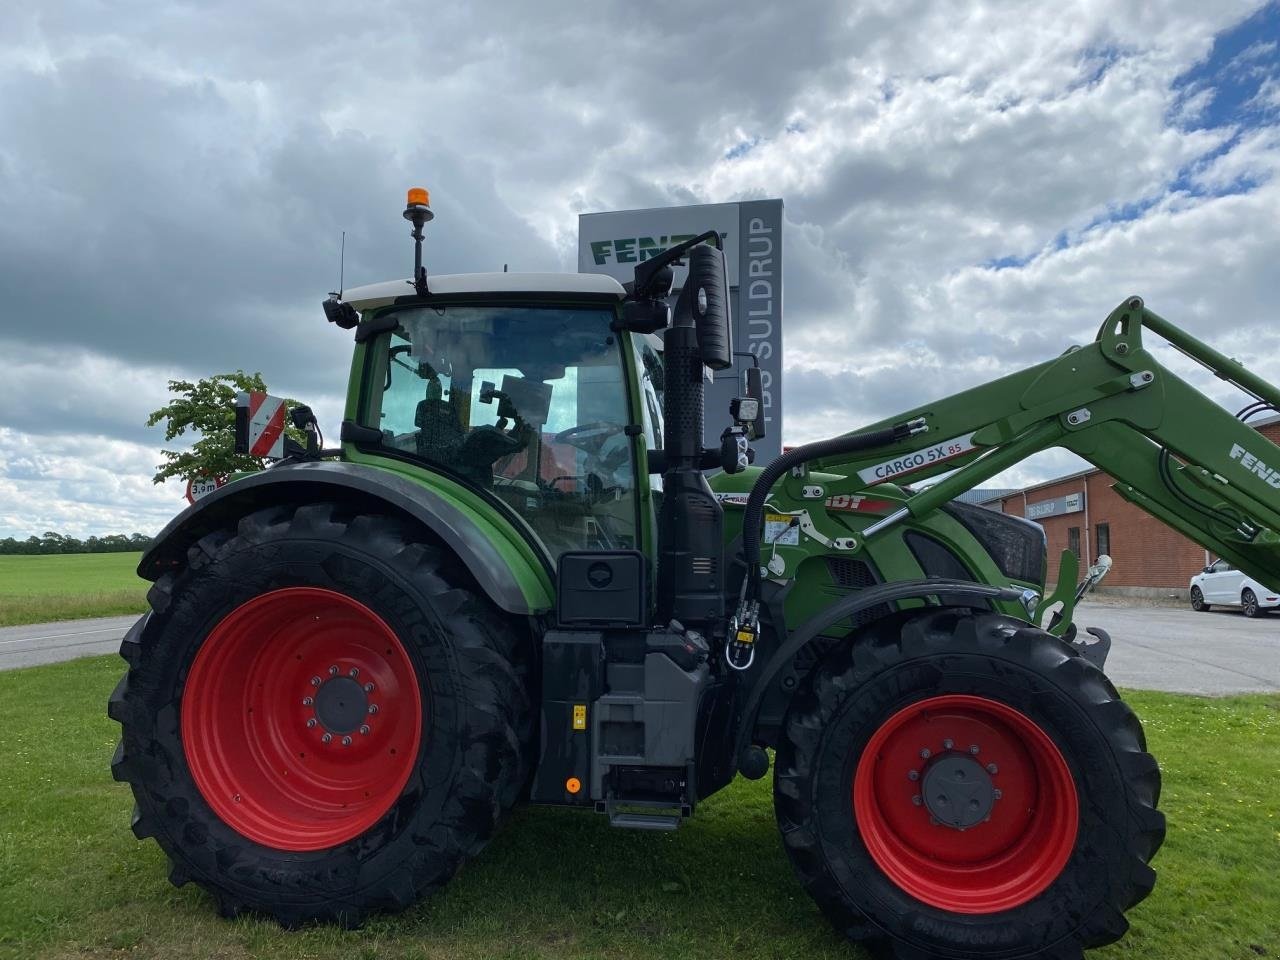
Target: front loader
(522, 578)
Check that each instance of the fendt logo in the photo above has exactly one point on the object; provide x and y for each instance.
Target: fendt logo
(1256, 466)
(636, 249)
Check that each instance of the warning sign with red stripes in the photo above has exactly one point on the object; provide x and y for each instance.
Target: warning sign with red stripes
(266, 425)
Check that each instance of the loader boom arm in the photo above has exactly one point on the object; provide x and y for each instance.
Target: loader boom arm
(1172, 451)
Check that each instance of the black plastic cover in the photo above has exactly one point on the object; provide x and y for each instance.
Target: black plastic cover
(1017, 546)
(572, 682)
(601, 588)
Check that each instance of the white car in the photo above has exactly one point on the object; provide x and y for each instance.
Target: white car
(1222, 584)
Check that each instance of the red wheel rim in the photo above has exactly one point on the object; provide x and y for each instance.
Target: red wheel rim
(301, 719)
(1020, 789)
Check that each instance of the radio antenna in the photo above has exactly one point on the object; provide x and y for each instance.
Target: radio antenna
(342, 257)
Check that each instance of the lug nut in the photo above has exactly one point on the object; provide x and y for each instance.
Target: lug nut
(311, 722)
(997, 794)
(926, 753)
(353, 672)
(948, 744)
(346, 741)
(368, 688)
(333, 671)
(308, 701)
(364, 729)
(992, 769)
(373, 708)
(913, 776)
(973, 749)
(315, 681)
(326, 738)
(918, 800)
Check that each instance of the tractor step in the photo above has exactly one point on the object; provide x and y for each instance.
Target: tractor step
(643, 815)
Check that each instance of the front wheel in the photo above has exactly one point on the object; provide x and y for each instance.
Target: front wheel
(1249, 603)
(1197, 600)
(957, 785)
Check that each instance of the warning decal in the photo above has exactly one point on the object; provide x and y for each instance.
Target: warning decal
(917, 460)
(266, 425)
(781, 528)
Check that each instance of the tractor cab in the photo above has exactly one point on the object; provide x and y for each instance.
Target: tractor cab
(544, 394)
(525, 394)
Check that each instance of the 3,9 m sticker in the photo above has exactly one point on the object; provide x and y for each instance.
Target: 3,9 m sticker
(918, 460)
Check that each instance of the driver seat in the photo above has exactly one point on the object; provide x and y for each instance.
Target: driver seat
(440, 432)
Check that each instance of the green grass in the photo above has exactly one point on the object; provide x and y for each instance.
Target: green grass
(556, 884)
(69, 586)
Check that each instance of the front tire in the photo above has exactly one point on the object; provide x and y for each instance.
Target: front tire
(321, 718)
(1249, 603)
(1057, 805)
(1197, 600)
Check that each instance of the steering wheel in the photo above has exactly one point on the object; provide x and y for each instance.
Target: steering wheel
(589, 437)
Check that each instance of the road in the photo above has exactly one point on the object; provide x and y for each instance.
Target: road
(51, 642)
(1154, 648)
(1181, 651)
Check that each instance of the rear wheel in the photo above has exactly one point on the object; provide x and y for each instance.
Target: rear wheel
(1249, 603)
(1197, 600)
(959, 785)
(320, 717)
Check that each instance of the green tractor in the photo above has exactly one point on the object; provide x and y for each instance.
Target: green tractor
(524, 578)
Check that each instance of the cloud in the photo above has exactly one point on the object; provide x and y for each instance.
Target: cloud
(967, 191)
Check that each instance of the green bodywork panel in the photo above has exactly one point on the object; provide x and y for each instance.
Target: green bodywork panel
(524, 562)
(809, 522)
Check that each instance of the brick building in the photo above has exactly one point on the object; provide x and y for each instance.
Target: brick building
(1082, 513)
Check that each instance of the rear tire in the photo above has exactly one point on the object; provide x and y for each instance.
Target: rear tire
(209, 696)
(1064, 850)
(1197, 600)
(1249, 603)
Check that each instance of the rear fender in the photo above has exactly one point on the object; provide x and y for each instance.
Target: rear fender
(506, 568)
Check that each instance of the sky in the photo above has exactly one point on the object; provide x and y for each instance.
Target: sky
(969, 190)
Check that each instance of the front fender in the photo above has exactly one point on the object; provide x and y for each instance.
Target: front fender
(515, 579)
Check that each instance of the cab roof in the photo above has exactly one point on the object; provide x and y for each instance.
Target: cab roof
(503, 284)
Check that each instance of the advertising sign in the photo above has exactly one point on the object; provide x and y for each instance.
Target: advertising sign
(1071, 503)
(751, 234)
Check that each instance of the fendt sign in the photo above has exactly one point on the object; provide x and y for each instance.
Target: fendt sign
(613, 243)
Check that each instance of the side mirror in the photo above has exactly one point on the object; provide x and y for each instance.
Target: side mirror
(341, 313)
(706, 297)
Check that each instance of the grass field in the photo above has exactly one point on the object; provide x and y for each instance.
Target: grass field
(69, 586)
(555, 884)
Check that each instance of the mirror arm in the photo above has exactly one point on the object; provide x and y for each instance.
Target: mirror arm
(647, 271)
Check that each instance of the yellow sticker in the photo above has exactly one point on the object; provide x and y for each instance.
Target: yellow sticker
(579, 716)
(746, 636)
(782, 528)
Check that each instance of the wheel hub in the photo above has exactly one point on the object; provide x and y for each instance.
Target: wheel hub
(958, 791)
(341, 705)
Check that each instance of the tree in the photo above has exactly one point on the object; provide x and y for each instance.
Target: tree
(208, 407)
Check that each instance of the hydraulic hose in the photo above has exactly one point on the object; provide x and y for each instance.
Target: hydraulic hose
(836, 446)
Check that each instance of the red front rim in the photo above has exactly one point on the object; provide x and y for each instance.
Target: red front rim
(1020, 812)
(301, 719)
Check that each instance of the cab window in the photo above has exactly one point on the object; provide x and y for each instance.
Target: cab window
(528, 403)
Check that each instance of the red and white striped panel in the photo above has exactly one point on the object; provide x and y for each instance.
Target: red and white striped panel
(266, 425)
